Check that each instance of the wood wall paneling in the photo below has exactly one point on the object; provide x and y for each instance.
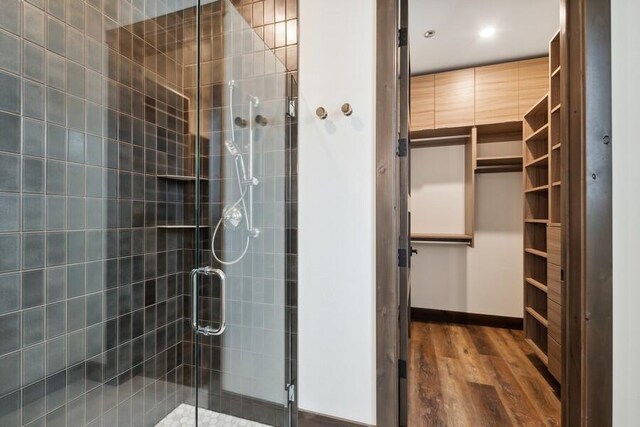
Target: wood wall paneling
(496, 93)
(554, 359)
(554, 282)
(455, 98)
(533, 82)
(553, 245)
(423, 102)
(553, 312)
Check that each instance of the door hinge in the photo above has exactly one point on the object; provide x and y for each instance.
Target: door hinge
(402, 257)
(402, 369)
(402, 37)
(291, 392)
(291, 107)
(403, 147)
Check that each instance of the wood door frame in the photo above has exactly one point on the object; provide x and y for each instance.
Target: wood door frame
(587, 215)
(587, 234)
(387, 219)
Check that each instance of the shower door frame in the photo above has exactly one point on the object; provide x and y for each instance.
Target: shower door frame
(290, 223)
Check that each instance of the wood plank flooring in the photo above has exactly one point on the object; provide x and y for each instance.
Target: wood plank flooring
(465, 375)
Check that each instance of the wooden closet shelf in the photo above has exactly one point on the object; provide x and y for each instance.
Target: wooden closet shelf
(499, 161)
(461, 132)
(538, 162)
(556, 146)
(497, 129)
(556, 184)
(441, 237)
(556, 108)
(537, 189)
(499, 168)
(538, 351)
(537, 316)
(536, 221)
(540, 135)
(536, 252)
(537, 284)
(540, 107)
(556, 71)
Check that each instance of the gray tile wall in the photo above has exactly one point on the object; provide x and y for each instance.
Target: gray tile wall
(90, 286)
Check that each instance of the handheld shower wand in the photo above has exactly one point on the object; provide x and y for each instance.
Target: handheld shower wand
(231, 215)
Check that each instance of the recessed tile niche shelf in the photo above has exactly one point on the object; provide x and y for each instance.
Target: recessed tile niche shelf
(181, 226)
(183, 178)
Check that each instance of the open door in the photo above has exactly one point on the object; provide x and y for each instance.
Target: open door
(404, 225)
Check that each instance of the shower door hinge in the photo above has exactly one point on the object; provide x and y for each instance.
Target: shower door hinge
(291, 107)
(402, 37)
(402, 369)
(402, 258)
(291, 392)
(402, 148)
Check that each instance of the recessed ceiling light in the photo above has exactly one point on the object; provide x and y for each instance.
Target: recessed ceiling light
(429, 33)
(487, 32)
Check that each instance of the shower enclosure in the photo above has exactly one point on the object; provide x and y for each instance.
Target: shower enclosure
(147, 212)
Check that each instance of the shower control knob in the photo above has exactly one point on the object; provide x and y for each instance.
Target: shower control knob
(346, 109)
(321, 112)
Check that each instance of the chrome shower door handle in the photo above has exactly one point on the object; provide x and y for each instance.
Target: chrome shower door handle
(208, 330)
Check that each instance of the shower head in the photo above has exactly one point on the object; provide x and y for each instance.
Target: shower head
(232, 148)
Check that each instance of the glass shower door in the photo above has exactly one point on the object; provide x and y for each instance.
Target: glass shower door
(238, 315)
(124, 154)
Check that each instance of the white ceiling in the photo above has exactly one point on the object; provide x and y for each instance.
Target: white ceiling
(523, 30)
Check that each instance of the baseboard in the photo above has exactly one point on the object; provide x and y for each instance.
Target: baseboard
(311, 419)
(445, 316)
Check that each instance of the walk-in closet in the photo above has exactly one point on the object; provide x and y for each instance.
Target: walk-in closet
(485, 203)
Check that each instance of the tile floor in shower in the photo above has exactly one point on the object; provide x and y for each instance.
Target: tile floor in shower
(184, 415)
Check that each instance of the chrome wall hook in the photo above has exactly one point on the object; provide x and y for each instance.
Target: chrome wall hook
(346, 109)
(321, 112)
(261, 120)
(240, 122)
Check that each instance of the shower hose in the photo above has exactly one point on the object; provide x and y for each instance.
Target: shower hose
(243, 191)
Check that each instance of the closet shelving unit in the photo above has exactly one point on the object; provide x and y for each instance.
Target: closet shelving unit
(466, 136)
(535, 148)
(499, 147)
(554, 231)
(554, 125)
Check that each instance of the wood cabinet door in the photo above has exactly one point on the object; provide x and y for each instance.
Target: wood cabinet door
(423, 102)
(497, 93)
(533, 82)
(455, 98)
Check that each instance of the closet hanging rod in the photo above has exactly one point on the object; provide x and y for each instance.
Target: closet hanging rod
(440, 138)
(442, 242)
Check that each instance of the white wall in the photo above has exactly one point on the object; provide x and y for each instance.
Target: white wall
(437, 189)
(626, 212)
(336, 211)
(486, 279)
